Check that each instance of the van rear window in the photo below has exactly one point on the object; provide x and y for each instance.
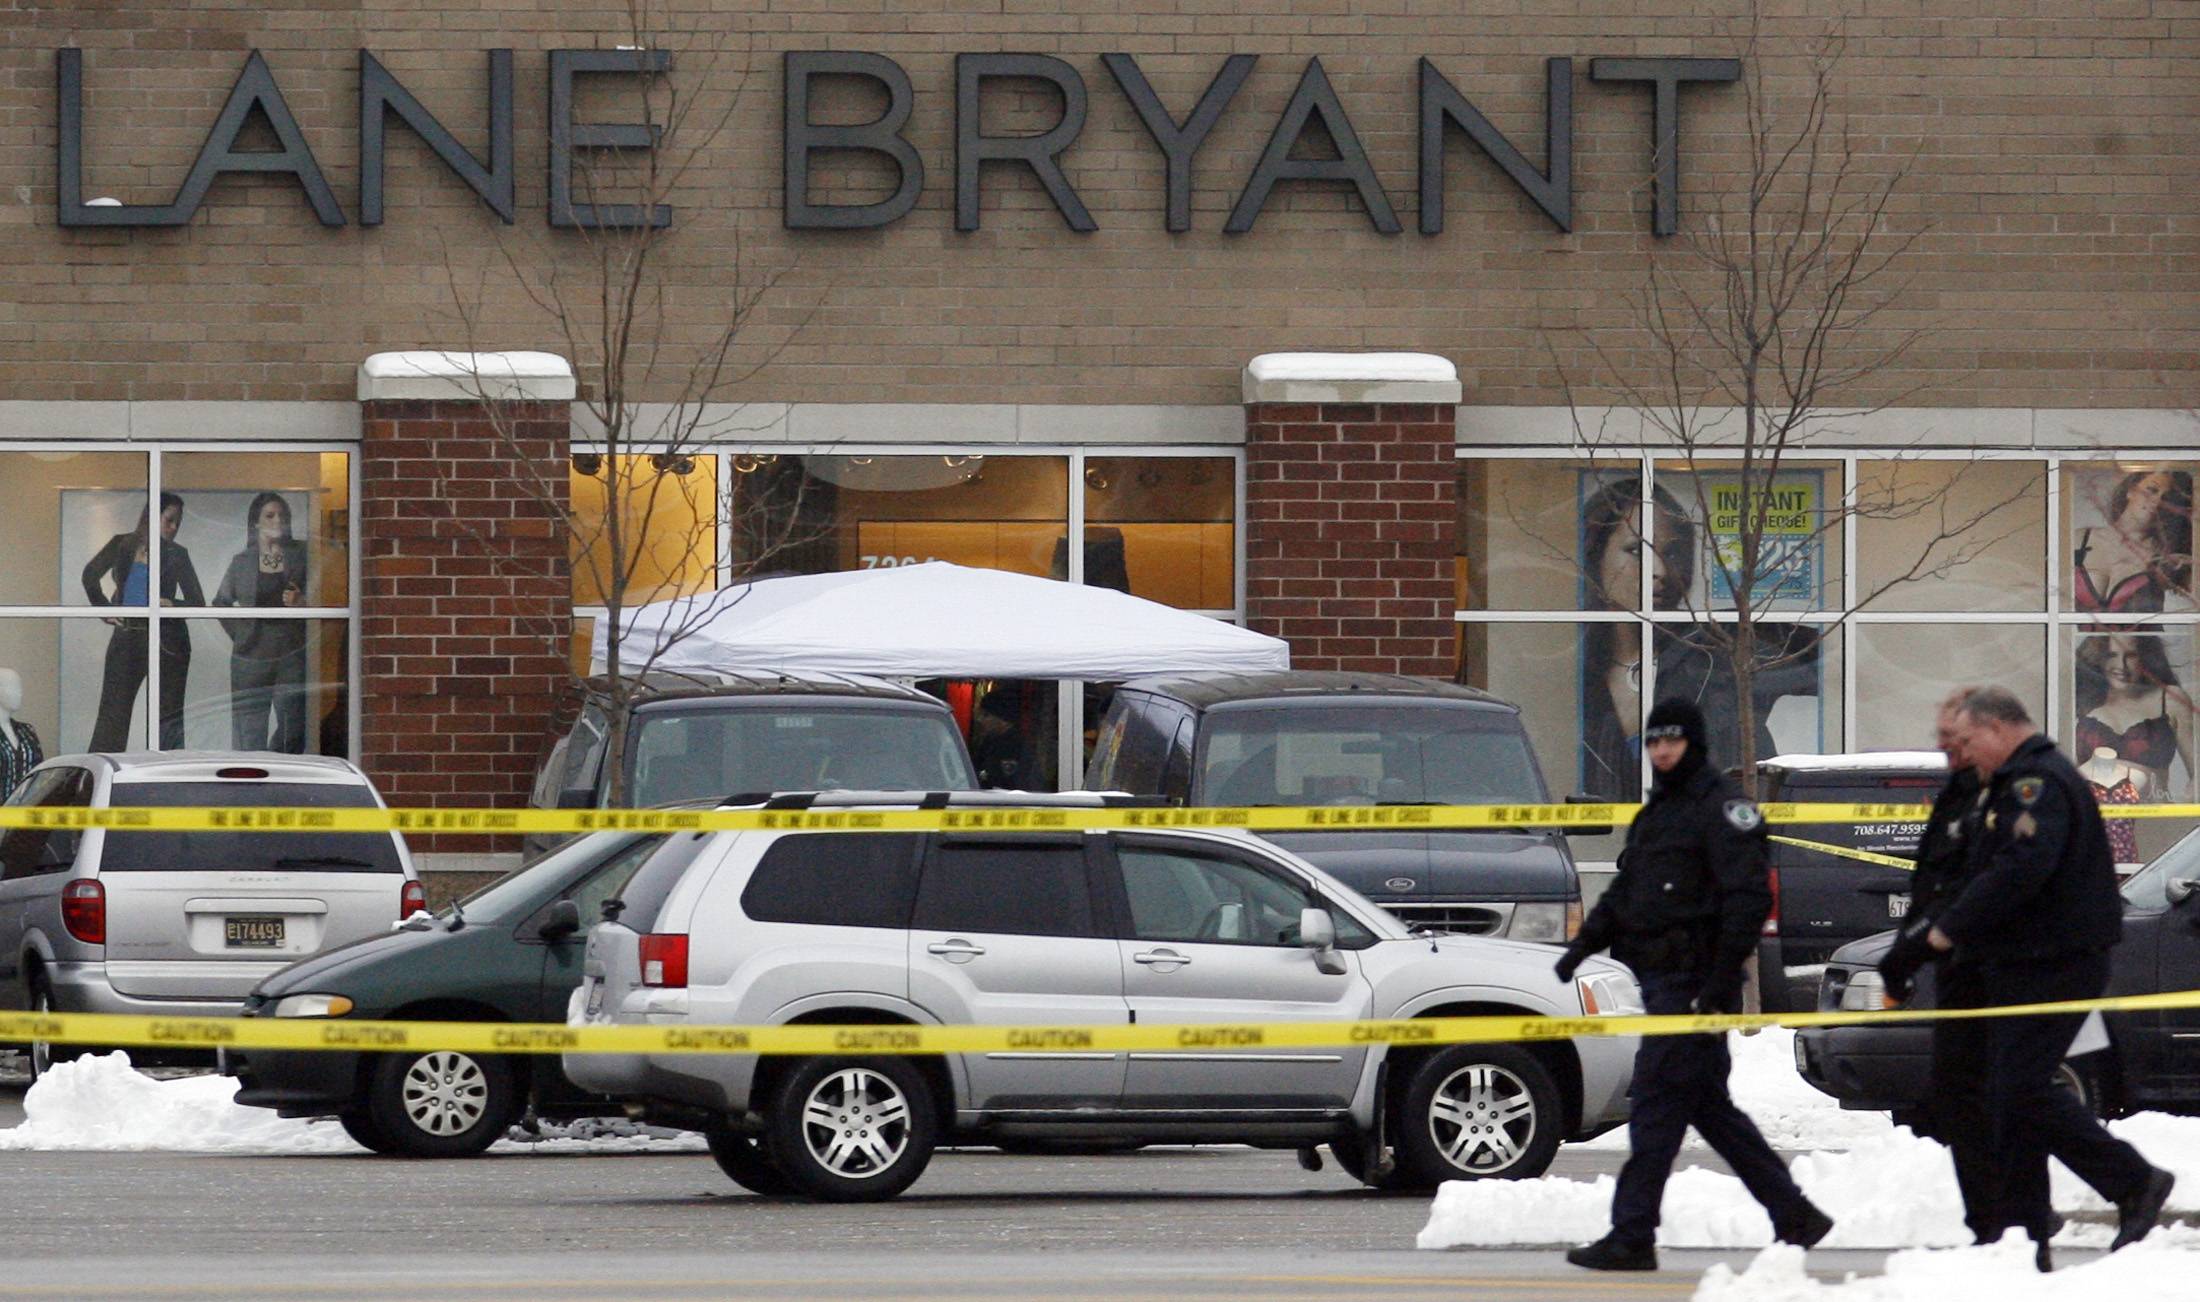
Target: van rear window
(1895, 837)
(288, 852)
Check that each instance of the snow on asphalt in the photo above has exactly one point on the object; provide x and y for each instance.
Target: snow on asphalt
(1883, 1186)
(2159, 1269)
(101, 1104)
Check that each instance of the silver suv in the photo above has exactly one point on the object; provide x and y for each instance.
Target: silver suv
(185, 923)
(1093, 928)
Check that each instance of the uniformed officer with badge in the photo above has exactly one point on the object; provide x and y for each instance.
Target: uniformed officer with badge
(2035, 918)
(1684, 912)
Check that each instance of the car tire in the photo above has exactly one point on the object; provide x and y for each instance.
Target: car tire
(852, 1129)
(1477, 1112)
(2082, 1078)
(440, 1103)
(1351, 1155)
(365, 1133)
(41, 1055)
(747, 1163)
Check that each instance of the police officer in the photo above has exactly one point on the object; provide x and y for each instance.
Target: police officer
(1684, 912)
(2035, 919)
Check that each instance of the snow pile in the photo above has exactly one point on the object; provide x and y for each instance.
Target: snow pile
(2163, 1268)
(100, 1104)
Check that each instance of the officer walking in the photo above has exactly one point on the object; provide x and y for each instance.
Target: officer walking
(1684, 912)
(2032, 923)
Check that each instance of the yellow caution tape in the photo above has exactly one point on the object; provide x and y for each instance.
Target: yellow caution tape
(307, 1033)
(1844, 852)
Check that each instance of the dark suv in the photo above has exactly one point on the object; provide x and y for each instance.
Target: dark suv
(1821, 900)
(1318, 738)
(706, 738)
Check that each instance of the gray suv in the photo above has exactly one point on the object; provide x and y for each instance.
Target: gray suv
(185, 923)
(1079, 928)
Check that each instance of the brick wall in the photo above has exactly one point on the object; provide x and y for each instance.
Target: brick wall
(1350, 532)
(463, 610)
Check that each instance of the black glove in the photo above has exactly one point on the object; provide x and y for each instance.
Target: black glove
(1569, 962)
(1720, 994)
(1910, 952)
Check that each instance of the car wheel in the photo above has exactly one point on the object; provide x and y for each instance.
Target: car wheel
(746, 1162)
(43, 1054)
(1351, 1155)
(440, 1103)
(365, 1133)
(2082, 1080)
(1477, 1112)
(852, 1129)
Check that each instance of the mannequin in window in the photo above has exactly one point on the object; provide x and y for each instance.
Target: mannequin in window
(2117, 782)
(19, 748)
(120, 576)
(267, 657)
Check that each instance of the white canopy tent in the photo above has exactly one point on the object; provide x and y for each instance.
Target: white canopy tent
(934, 620)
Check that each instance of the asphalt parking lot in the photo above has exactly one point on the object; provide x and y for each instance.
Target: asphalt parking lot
(1181, 1224)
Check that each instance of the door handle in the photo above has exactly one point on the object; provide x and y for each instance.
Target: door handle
(955, 951)
(1160, 958)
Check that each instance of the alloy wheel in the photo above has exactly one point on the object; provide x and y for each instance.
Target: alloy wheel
(1483, 1118)
(445, 1093)
(856, 1122)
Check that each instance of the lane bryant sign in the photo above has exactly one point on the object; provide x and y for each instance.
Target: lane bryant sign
(382, 98)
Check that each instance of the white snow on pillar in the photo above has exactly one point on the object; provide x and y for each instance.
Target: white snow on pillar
(1351, 377)
(448, 377)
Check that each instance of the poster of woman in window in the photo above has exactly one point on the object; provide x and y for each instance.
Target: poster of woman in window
(2131, 732)
(2130, 539)
(1694, 660)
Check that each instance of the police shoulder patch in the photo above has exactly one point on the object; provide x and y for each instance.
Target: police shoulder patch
(2027, 790)
(1744, 815)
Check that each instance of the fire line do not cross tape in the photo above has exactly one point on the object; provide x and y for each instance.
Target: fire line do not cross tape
(343, 1034)
(1049, 818)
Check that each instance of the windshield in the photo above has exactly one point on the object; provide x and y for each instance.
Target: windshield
(2148, 888)
(208, 851)
(708, 754)
(523, 889)
(1367, 754)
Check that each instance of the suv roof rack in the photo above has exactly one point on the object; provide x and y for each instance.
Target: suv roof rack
(945, 799)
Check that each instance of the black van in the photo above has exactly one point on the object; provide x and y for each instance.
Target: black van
(1823, 901)
(705, 738)
(1321, 738)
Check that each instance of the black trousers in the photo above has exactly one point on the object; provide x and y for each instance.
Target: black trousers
(1680, 1081)
(2027, 1115)
(120, 679)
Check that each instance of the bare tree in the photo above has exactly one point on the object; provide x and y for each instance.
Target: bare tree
(661, 320)
(1767, 324)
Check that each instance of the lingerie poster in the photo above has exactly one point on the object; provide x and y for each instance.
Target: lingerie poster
(2130, 539)
(2132, 720)
(1689, 660)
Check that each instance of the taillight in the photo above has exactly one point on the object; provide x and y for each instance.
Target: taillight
(411, 899)
(84, 910)
(1772, 919)
(1573, 918)
(665, 961)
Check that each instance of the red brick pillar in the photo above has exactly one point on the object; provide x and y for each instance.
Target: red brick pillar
(1351, 508)
(465, 606)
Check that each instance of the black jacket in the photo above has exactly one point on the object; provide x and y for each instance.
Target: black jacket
(263, 639)
(178, 580)
(1944, 852)
(2043, 883)
(1692, 892)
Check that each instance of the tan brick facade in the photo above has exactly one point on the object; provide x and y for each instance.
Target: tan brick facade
(2051, 152)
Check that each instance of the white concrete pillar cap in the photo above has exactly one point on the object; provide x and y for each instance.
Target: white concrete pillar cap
(1351, 377)
(458, 377)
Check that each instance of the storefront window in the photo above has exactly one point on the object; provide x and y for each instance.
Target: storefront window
(2126, 537)
(1163, 528)
(64, 511)
(1904, 671)
(262, 528)
(666, 542)
(2130, 713)
(1540, 534)
(1963, 535)
(262, 681)
(1705, 514)
(817, 513)
(1793, 703)
(79, 680)
(1584, 745)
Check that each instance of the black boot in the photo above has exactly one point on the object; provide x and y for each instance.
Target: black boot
(1803, 1227)
(2137, 1215)
(2042, 1260)
(1614, 1253)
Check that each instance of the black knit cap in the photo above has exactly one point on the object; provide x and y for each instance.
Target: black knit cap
(1675, 717)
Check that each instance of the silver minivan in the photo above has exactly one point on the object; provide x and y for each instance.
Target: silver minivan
(1161, 927)
(185, 923)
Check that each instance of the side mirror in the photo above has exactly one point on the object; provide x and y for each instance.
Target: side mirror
(563, 920)
(1589, 829)
(577, 798)
(2180, 889)
(1318, 934)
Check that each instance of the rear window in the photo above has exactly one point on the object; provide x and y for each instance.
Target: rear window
(320, 852)
(643, 896)
(711, 754)
(1367, 754)
(835, 880)
(1894, 837)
